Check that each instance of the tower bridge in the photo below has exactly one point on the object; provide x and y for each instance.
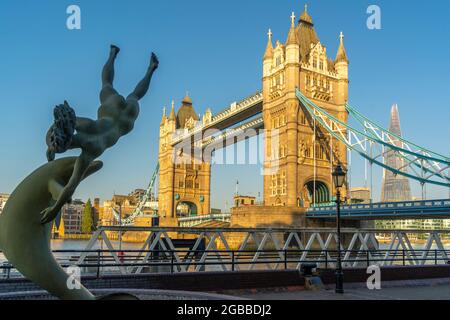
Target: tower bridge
(299, 162)
(304, 111)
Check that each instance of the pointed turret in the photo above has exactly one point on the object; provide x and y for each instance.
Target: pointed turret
(172, 112)
(341, 62)
(305, 17)
(292, 36)
(269, 49)
(306, 34)
(292, 57)
(186, 112)
(207, 117)
(341, 54)
(164, 118)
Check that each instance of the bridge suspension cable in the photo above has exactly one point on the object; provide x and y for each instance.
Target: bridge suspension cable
(141, 205)
(418, 163)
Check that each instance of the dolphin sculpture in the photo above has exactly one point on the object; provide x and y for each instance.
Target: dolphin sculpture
(26, 222)
(25, 241)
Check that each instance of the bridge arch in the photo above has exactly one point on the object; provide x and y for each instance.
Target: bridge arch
(186, 208)
(317, 189)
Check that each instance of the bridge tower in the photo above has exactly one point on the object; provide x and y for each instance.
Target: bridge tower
(184, 183)
(298, 167)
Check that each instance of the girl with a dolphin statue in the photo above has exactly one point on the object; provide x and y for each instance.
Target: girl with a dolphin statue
(26, 221)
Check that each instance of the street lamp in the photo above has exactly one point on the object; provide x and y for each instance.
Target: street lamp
(339, 179)
(119, 204)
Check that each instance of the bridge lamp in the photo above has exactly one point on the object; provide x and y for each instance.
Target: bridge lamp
(339, 176)
(339, 179)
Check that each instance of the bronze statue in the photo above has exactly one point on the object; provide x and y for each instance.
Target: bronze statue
(25, 241)
(25, 227)
(116, 117)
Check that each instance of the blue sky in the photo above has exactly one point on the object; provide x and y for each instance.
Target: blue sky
(213, 49)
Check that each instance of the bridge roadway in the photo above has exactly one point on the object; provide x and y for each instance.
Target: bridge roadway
(429, 209)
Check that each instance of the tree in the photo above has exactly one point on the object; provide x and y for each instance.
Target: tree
(86, 220)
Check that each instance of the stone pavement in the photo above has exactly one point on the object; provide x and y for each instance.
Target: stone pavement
(436, 289)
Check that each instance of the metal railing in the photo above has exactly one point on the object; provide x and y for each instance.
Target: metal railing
(101, 262)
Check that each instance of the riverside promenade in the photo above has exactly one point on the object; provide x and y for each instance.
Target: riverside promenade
(429, 289)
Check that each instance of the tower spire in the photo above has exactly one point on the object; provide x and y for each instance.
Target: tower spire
(172, 112)
(269, 49)
(305, 17)
(292, 36)
(341, 54)
(164, 118)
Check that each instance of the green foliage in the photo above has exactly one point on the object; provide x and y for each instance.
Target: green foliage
(87, 223)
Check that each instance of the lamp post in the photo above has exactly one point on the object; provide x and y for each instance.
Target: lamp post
(339, 179)
(119, 204)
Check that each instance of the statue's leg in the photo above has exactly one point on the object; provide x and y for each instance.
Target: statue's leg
(142, 87)
(108, 75)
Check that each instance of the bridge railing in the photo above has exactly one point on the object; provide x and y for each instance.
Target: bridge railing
(422, 206)
(225, 249)
(197, 249)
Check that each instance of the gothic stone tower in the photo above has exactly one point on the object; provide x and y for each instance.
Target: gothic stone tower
(298, 168)
(184, 183)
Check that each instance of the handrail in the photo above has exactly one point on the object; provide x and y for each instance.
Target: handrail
(189, 230)
(287, 257)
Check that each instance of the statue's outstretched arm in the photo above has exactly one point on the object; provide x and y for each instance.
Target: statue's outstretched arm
(81, 169)
(55, 189)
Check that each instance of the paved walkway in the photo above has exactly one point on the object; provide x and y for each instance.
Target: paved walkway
(438, 289)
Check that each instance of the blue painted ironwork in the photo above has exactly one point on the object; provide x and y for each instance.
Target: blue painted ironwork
(389, 210)
(421, 164)
(140, 207)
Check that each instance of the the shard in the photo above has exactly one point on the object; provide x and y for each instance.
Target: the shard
(395, 187)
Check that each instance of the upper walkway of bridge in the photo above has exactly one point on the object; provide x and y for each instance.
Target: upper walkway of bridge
(425, 209)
